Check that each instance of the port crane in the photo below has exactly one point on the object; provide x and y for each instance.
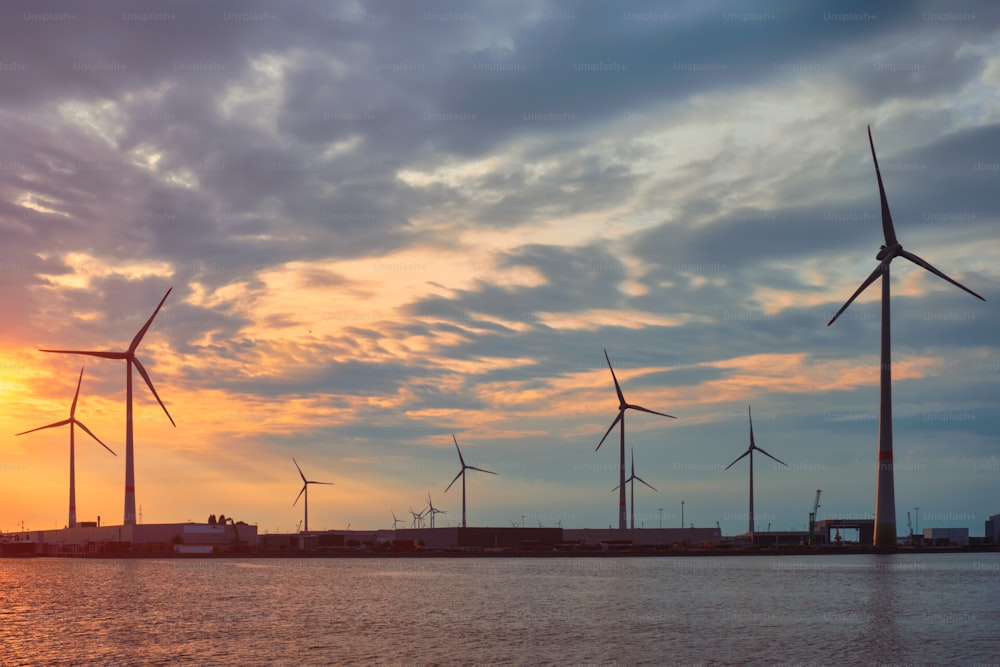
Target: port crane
(812, 518)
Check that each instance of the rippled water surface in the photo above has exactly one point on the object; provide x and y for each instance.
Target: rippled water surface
(915, 609)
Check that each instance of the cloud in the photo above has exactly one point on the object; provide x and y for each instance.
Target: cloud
(384, 224)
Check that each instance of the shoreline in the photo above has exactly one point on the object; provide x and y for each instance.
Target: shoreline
(526, 553)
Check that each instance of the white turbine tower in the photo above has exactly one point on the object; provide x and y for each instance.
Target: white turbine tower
(461, 473)
(73, 422)
(305, 490)
(749, 452)
(631, 483)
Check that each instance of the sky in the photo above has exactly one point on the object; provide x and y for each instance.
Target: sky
(386, 223)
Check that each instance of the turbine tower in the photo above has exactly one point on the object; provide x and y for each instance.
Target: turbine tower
(749, 452)
(305, 490)
(631, 482)
(130, 361)
(73, 422)
(623, 405)
(461, 473)
(885, 494)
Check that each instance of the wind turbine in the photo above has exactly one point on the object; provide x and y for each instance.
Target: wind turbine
(749, 452)
(395, 521)
(305, 490)
(418, 518)
(73, 422)
(623, 405)
(461, 473)
(631, 482)
(885, 494)
(130, 361)
(433, 510)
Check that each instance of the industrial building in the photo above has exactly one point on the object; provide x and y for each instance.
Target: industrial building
(993, 529)
(946, 537)
(143, 538)
(828, 530)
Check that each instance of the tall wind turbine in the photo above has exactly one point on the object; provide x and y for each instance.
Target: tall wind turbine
(73, 422)
(130, 361)
(305, 490)
(631, 482)
(623, 405)
(885, 494)
(461, 473)
(433, 510)
(749, 452)
(395, 521)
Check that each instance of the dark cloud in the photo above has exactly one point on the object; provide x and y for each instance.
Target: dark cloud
(202, 145)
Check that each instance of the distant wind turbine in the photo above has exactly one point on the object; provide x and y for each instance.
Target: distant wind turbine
(631, 482)
(305, 490)
(623, 405)
(73, 422)
(395, 521)
(433, 510)
(885, 494)
(461, 473)
(418, 518)
(130, 361)
(749, 452)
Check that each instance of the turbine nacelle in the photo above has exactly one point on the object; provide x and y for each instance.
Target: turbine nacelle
(886, 253)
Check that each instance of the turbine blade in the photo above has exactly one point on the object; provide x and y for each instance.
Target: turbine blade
(887, 229)
(461, 460)
(325, 483)
(921, 262)
(640, 479)
(480, 469)
(460, 473)
(751, 427)
(652, 412)
(737, 459)
(142, 331)
(300, 495)
(768, 455)
(618, 389)
(91, 353)
(868, 281)
(72, 408)
(617, 419)
(149, 383)
(90, 433)
(53, 425)
(301, 474)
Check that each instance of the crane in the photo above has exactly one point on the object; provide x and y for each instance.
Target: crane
(812, 518)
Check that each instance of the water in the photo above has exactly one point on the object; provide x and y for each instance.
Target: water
(857, 610)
